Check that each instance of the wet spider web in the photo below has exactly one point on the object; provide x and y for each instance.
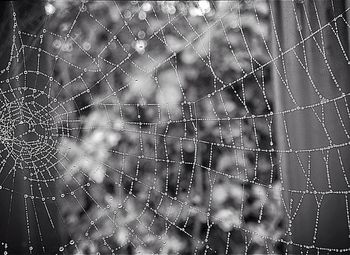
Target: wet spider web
(144, 136)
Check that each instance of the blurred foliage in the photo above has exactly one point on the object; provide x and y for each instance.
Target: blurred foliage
(161, 57)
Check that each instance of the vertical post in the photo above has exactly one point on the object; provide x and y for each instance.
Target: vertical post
(12, 210)
(28, 215)
(311, 85)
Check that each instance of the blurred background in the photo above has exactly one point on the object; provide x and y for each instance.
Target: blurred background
(174, 127)
(145, 146)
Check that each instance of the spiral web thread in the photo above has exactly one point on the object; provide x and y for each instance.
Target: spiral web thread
(57, 122)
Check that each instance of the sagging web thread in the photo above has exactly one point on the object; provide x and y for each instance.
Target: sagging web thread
(152, 122)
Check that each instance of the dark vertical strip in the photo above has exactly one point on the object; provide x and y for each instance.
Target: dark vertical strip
(29, 224)
(311, 43)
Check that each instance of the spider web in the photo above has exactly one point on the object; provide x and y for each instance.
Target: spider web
(183, 162)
